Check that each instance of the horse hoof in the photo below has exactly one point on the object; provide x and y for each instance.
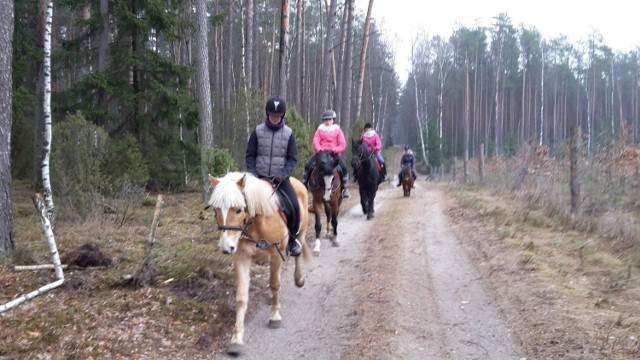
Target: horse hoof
(335, 244)
(275, 324)
(234, 349)
(369, 217)
(316, 253)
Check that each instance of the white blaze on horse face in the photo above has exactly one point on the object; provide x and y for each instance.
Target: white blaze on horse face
(228, 243)
(328, 180)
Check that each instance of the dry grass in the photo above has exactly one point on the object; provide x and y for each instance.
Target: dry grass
(97, 313)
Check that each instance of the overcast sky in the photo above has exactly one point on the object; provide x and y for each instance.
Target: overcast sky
(402, 19)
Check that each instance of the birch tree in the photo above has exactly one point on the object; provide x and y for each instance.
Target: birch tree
(7, 245)
(46, 179)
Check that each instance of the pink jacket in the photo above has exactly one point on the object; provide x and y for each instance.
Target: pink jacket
(329, 138)
(372, 139)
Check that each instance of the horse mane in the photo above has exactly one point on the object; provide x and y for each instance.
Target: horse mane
(257, 195)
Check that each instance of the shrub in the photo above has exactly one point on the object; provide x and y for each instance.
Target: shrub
(77, 151)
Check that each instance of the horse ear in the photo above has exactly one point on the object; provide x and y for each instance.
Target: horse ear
(242, 181)
(214, 180)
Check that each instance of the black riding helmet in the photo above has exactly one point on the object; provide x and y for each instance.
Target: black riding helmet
(368, 126)
(276, 106)
(328, 114)
(406, 147)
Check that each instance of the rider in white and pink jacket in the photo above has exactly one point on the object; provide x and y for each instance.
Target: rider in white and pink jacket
(329, 136)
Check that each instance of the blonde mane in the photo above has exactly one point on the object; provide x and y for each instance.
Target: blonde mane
(257, 195)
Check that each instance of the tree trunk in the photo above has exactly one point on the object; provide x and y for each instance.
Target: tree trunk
(283, 66)
(38, 127)
(345, 124)
(467, 100)
(228, 61)
(204, 94)
(7, 245)
(46, 180)
(323, 99)
(574, 179)
(248, 43)
(525, 167)
(363, 56)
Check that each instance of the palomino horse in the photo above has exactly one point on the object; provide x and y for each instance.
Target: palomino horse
(247, 212)
(324, 184)
(407, 179)
(369, 177)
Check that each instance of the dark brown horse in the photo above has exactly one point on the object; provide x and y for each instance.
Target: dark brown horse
(324, 184)
(407, 179)
(369, 176)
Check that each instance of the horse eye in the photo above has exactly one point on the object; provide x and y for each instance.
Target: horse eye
(238, 212)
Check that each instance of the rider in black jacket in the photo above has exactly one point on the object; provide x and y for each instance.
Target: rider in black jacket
(407, 158)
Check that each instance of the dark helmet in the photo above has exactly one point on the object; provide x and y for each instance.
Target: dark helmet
(406, 147)
(329, 114)
(276, 106)
(368, 126)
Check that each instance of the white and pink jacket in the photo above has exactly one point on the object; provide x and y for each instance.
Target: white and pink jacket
(329, 138)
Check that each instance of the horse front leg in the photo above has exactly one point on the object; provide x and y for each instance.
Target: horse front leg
(371, 211)
(242, 267)
(334, 225)
(318, 228)
(275, 320)
(327, 213)
(363, 201)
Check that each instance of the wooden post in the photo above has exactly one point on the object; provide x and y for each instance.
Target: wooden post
(481, 164)
(574, 180)
(455, 166)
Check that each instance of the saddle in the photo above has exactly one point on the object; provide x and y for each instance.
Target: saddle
(286, 207)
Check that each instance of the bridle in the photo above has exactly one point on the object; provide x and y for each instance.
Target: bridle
(262, 244)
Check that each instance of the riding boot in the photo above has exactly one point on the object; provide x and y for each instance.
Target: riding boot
(384, 172)
(345, 191)
(294, 246)
(399, 180)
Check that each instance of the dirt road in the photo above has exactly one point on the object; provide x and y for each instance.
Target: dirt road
(399, 287)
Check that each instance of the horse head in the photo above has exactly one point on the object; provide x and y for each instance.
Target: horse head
(359, 153)
(326, 164)
(406, 172)
(237, 198)
(230, 206)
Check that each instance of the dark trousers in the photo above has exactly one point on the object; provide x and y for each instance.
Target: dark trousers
(291, 206)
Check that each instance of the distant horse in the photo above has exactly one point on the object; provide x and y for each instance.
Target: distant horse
(247, 212)
(369, 176)
(324, 184)
(407, 179)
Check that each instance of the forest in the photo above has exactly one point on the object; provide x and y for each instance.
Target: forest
(153, 95)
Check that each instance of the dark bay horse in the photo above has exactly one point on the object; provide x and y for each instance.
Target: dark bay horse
(324, 184)
(407, 179)
(247, 212)
(369, 176)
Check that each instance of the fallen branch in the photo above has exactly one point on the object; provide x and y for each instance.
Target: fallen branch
(37, 267)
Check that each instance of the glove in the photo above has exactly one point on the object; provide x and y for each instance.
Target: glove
(278, 179)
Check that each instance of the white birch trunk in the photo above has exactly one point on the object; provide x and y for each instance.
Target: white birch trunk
(46, 179)
(53, 250)
(541, 98)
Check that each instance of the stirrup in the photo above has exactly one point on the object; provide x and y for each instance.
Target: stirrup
(345, 193)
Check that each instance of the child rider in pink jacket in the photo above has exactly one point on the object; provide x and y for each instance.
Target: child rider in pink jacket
(329, 136)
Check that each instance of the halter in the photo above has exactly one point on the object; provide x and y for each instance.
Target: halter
(262, 244)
